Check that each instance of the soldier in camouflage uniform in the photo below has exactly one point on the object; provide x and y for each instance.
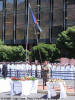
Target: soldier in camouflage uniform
(46, 72)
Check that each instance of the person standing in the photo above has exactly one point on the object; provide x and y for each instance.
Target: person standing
(46, 72)
(29, 68)
(38, 70)
(33, 69)
(4, 70)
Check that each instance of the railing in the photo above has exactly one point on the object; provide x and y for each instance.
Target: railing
(66, 75)
(23, 73)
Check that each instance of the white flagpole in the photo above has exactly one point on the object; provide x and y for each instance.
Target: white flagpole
(27, 34)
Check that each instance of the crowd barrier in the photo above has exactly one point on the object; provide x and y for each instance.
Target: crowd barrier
(66, 75)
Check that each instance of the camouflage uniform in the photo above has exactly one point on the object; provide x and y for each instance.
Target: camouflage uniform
(46, 73)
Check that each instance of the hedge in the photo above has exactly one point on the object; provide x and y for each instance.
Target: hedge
(12, 53)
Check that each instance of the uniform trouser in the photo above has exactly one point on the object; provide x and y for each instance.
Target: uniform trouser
(45, 77)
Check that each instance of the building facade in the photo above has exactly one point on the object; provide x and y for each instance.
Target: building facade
(53, 16)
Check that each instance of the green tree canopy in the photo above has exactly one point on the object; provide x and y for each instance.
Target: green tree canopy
(44, 52)
(66, 42)
(12, 53)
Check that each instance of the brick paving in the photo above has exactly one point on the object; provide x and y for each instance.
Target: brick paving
(68, 89)
(70, 86)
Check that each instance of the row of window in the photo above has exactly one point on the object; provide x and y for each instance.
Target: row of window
(51, 15)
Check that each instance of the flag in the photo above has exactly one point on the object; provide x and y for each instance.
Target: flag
(35, 20)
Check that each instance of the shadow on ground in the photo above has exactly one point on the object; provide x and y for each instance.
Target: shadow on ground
(55, 97)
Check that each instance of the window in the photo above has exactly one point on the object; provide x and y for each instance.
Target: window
(1, 9)
(71, 1)
(57, 18)
(20, 25)
(44, 18)
(9, 20)
(70, 13)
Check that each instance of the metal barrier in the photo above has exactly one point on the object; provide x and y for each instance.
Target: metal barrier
(66, 75)
(23, 73)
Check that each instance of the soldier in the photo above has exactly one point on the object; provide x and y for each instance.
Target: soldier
(46, 72)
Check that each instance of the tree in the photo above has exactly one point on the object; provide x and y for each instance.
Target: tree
(66, 42)
(18, 53)
(44, 52)
(12, 53)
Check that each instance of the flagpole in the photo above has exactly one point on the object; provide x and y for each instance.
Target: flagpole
(36, 36)
(27, 34)
(37, 42)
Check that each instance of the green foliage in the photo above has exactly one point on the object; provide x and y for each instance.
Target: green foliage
(12, 53)
(1, 42)
(32, 78)
(18, 53)
(28, 55)
(66, 42)
(44, 52)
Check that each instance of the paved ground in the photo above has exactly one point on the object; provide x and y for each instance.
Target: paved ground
(70, 86)
(39, 96)
(42, 94)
